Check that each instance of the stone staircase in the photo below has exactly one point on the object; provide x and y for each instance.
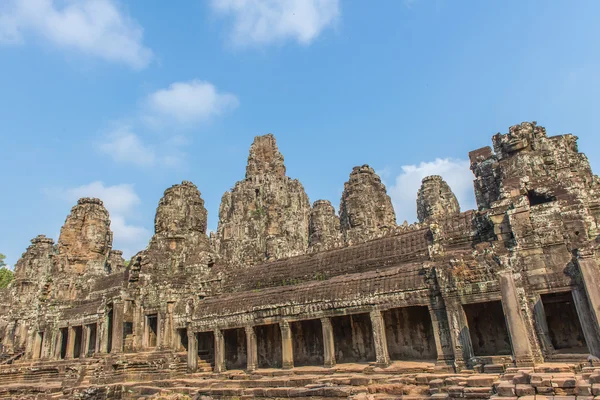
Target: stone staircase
(138, 367)
(206, 361)
(550, 382)
(162, 376)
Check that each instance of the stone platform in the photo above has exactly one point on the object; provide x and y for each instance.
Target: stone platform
(132, 378)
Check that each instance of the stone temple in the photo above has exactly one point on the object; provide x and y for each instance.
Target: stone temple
(288, 299)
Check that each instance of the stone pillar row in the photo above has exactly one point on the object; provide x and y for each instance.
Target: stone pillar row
(287, 349)
(47, 344)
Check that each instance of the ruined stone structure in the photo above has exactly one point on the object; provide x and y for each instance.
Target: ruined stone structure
(289, 300)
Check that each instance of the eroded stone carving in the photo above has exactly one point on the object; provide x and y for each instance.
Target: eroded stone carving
(180, 243)
(85, 239)
(265, 216)
(365, 208)
(435, 199)
(324, 227)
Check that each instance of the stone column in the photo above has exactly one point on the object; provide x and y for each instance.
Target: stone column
(192, 353)
(160, 320)
(23, 334)
(168, 339)
(219, 351)
(287, 347)
(441, 335)
(47, 343)
(514, 319)
(9, 341)
(459, 333)
(85, 340)
(70, 342)
(138, 328)
(117, 331)
(541, 325)
(328, 343)
(251, 349)
(29, 344)
(161, 326)
(592, 337)
(98, 331)
(380, 339)
(37, 345)
(590, 274)
(57, 344)
(102, 333)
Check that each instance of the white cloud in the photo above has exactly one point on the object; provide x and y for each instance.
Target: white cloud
(126, 147)
(93, 27)
(259, 22)
(120, 201)
(188, 102)
(406, 185)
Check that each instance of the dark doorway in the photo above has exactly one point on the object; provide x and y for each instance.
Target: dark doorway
(64, 338)
(308, 342)
(487, 326)
(564, 326)
(409, 334)
(353, 338)
(152, 330)
(92, 330)
(235, 348)
(206, 348)
(109, 327)
(78, 331)
(268, 344)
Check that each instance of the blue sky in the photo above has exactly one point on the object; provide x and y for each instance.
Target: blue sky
(120, 100)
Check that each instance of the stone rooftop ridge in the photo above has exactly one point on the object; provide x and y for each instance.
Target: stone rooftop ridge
(90, 200)
(42, 239)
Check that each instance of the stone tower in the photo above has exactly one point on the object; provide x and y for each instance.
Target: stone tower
(324, 227)
(180, 243)
(85, 239)
(37, 261)
(265, 216)
(365, 209)
(181, 211)
(435, 199)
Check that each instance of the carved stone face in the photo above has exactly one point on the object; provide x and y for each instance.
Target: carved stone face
(519, 138)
